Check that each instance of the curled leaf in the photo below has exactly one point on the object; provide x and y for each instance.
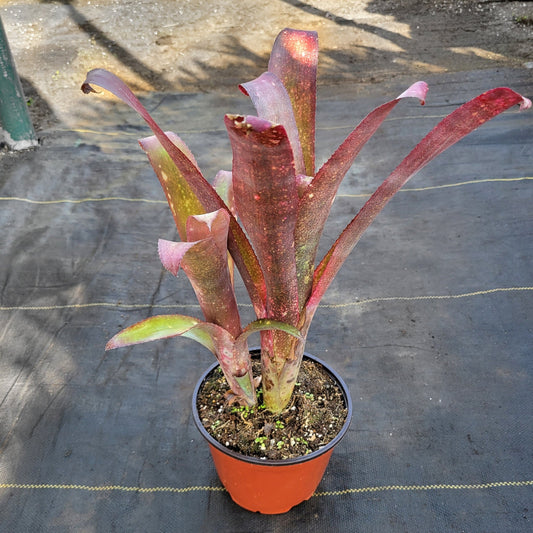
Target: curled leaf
(316, 202)
(164, 327)
(236, 366)
(205, 262)
(294, 60)
(238, 244)
(266, 197)
(272, 103)
(446, 133)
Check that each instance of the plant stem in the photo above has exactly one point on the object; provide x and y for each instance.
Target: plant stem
(281, 356)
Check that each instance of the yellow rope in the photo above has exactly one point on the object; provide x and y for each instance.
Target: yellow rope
(327, 306)
(360, 490)
(97, 304)
(441, 486)
(149, 201)
(108, 133)
(137, 135)
(445, 186)
(81, 200)
(426, 297)
(105, 488)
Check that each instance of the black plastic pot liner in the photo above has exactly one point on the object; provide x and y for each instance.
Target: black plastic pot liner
(429, 322)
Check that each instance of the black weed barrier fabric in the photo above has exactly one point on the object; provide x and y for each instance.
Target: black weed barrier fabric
(429, 323)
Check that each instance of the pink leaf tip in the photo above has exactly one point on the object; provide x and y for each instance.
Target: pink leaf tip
(525, 103)
(417, 90)
(171, 254)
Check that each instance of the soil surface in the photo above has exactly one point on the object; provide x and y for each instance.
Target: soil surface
(211, 46)
(314, 417)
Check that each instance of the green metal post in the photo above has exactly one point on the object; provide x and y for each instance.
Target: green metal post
(16, 127)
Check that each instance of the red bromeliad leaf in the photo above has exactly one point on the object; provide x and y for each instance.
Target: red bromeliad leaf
(272, 103)
(236, 366)
(302, 182)
(265, 324)
(188, 168)
(181, 199)
(223, 184)
(266, 197)
(318, 197)
(451, 129)
(204, 260)
(238, 244)
(164, 327)
(213, 225)
(294, 61)
(171, 254)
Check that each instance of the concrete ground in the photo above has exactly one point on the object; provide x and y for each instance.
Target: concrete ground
(211, 46)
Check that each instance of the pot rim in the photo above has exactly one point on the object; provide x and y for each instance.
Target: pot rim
(276, 462)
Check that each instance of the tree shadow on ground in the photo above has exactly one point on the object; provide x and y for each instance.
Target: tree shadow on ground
(41, 114)
(436, 37)
(145, 72)
(407, 38)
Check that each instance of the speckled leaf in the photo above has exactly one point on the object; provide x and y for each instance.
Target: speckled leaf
(204, 261)
(272, 103)
(238, 244)
(163, 327)
(450, 130)
(318, 197)
(294, 61)
(180, 197)
(223, 184)
(266, 197)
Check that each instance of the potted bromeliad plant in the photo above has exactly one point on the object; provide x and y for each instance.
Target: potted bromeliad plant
(265, 218)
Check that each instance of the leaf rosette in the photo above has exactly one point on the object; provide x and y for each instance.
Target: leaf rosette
(266, 216)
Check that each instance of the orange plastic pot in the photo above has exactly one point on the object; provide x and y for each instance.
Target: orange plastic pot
(267, 486)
